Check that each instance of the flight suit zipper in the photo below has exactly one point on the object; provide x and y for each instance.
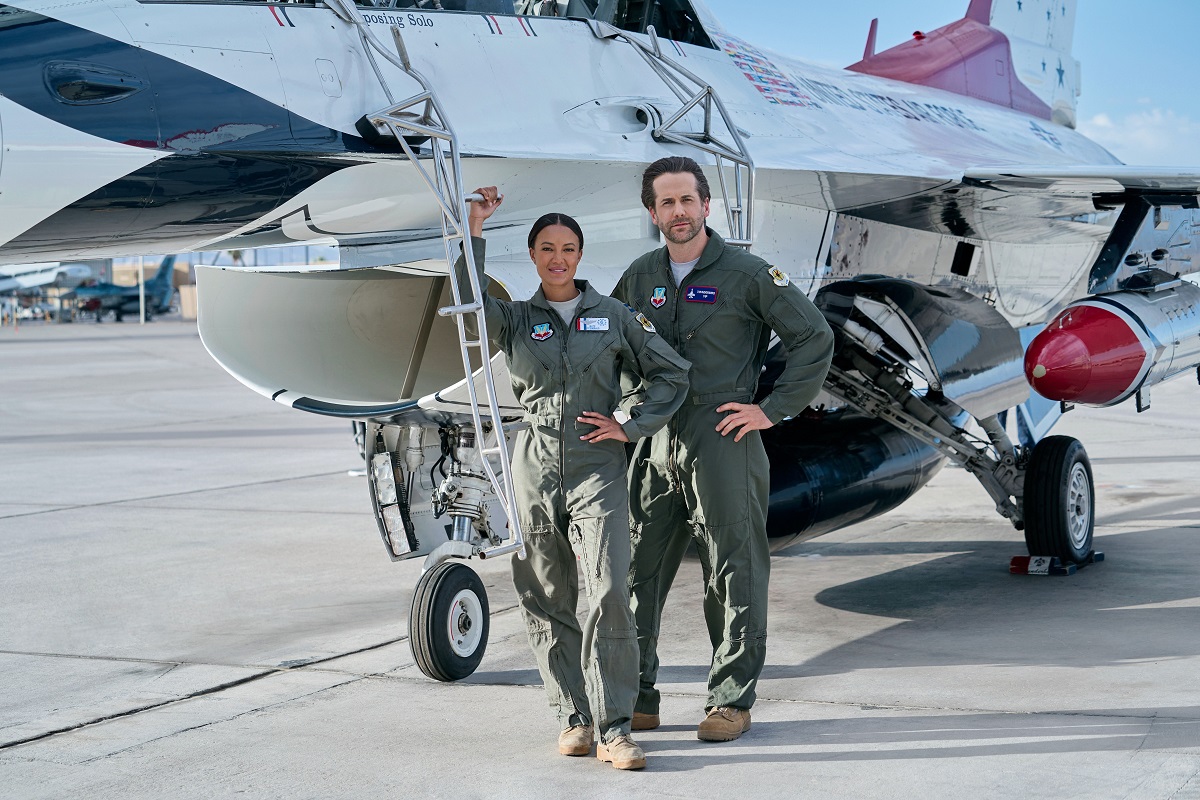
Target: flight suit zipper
(672, 425)
(562, 412)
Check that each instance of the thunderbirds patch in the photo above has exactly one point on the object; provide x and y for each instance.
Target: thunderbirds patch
(541, 332)
(659, 297)
(779, 276)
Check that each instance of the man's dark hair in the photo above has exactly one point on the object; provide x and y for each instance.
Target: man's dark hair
(672, 164)
(554, 218)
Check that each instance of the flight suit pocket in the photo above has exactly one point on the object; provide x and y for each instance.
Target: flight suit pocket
(536, 351)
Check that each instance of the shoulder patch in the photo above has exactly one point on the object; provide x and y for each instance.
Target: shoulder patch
(778, 276)
(645, 321)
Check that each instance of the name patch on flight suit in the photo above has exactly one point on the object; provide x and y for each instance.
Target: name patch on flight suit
(659, 298)
(701, 294)
(541, 332)
(592, 324)
(778, 276)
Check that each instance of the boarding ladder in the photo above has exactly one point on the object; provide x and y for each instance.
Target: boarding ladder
(422, 116)
(694, 93)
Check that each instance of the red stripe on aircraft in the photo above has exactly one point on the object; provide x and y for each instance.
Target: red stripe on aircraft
(493, 19)
(276, 16)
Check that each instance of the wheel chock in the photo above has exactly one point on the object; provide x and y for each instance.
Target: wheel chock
(1049, 565)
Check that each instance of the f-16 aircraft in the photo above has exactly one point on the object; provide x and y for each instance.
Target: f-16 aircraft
(122, 300)
(934, 198)
(23, 277)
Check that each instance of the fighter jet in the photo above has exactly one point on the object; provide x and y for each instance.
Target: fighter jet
(22, 277)
(122, 300)
(934, 199)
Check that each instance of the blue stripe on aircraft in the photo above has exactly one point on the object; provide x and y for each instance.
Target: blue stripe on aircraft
(235, 156)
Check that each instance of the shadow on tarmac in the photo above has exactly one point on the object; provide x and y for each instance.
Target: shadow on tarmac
(941, 736)
(966, 609)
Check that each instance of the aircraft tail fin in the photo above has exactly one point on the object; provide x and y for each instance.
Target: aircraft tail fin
(1017, 56)
(1041, 33)
(162, 285)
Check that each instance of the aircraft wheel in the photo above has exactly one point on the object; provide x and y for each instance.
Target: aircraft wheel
(1060, 500)
(449, 621)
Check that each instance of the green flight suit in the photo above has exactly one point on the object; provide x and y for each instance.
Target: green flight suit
(688, 482)
(572, 497)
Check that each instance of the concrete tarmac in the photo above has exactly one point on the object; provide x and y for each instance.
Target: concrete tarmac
(194, 603)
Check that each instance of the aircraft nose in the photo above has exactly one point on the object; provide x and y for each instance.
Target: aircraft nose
(1085, 355)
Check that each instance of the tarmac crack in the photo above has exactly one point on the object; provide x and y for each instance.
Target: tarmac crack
(224, 720)
(173, 494)
(184, 698)
(1184, 785)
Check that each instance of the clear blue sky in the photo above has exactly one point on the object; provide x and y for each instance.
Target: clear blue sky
(1139, 60)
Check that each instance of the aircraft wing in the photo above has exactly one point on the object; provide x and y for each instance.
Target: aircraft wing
(1103, 178)
(19, 277)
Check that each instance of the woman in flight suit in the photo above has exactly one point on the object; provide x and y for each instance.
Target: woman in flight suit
(566, 348)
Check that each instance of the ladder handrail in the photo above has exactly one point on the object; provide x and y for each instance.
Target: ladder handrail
(739, 214)
(445, 184)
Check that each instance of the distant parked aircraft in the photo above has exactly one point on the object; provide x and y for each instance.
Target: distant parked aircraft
(20, 277)
(122, 300)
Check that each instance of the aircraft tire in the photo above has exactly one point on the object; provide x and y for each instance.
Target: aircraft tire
(449, 621)
(1060, 500)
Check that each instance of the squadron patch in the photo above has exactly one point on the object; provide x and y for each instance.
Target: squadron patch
(778, 276)
(541, 332)
(659, 297)
(646, 323)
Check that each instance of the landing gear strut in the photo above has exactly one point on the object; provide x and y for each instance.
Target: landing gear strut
(894, 335)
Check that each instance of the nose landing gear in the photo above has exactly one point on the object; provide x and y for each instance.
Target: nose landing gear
(448, 623)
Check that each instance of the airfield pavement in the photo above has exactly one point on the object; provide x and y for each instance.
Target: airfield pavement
(194, 603)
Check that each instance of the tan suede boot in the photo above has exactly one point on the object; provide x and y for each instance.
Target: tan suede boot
(576, 741)
(724, 724)
(623, 752)
(644, 722)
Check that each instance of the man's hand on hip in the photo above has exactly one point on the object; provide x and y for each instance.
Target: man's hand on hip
(746, 416)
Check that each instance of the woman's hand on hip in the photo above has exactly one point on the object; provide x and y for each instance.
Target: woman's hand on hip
(606, 428)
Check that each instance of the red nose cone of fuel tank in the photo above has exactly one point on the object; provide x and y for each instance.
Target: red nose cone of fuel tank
(1087, 354)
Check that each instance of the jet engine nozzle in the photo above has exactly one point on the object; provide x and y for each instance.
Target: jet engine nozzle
(1101, 350)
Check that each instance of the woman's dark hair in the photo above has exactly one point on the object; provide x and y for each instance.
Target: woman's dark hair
(667, 166)
(546, 220)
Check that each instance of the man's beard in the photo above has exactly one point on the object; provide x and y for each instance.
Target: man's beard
(683, 237)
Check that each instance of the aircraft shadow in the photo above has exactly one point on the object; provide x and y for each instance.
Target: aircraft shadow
(966, 609)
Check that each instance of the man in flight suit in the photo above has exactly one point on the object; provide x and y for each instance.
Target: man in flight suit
(716, 305)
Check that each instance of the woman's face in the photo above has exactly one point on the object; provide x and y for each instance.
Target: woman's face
(556, 253)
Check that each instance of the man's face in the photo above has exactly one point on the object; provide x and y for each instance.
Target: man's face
(678, 210)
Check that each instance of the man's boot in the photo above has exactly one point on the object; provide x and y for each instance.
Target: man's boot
(724, 724)
(644, 722)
